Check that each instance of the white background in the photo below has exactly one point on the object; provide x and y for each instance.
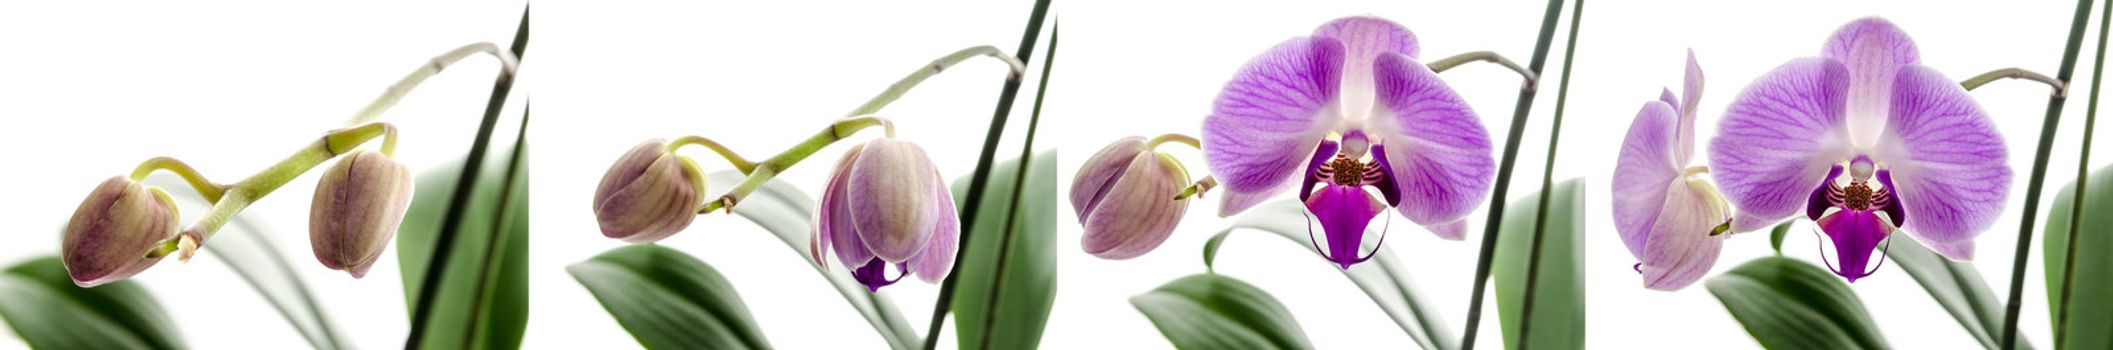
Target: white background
(230, 88)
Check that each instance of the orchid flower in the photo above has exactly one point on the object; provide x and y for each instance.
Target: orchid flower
(1347, 108)
(1866, 141)
(1666, 214)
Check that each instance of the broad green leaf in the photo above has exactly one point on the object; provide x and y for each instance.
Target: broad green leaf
(247, 247)
(1957, 286)
(1007, 280)
(1383, 278)
(44, 307)
(2090, 307)
(1775, 236)
(1559, 296)
(1789, 304)
(669, 300)
(1209, 311)
(789, 214)
(472, 239)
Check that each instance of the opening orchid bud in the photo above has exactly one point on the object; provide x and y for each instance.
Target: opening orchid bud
(649, 194)
(358, 206)
(886, 205)
(1124, 197)
(110, 231)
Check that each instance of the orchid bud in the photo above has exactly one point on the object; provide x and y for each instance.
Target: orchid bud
(1124, 196)
(649, 194)
(358, 206)
(112, 230)
(886, 205)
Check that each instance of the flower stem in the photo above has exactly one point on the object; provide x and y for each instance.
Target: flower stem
(211, 191)
(939, 65)
(2060, 88)
(1175, 138)
(1540, 216)
(1532, 77)
(1504, 167)
(234, 198)
(2039, 174)
(508, 63)
(761, 173)
(2083, 174)
(1197, 190)
(739, 163)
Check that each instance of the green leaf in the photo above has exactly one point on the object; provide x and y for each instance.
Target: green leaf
(2090, 306)
(247, 247)
(1209, 311)
(669, 300)
(1558, 318)
(1957, 286)
(41, 303)
(1007, 280)
(1775, 237)
(1789, 304)
(1383, 278)
(471, 240)
(788, 213)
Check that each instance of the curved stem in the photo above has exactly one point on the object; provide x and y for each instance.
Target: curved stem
(1197, 190)
(1175, 138)
(1530, 75)
(2083, 177)
(2039, 175)
(1520, 110)
(2060, 88)
(396, 92)
(904, 85)
(1540, 215)
(762, 172)
(239, 196)
(211, 191)
(739, 163)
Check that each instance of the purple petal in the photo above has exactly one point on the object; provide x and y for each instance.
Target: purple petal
(1779, 137)
(1680, 249)
(1451, 231)
(1321, 154)
(1139, 212)
(1945, 155)
(1364, 39)
(1856, 234)
(1435, 146)
(1232, 202)
(890, 198)
(832, 222)
(1343, 211)
(1817, 203)
(1961, 250)
(1742, 222)
(1692, 90)
(1666, 95)
(937, 259)
(1873, 50)
(1268, 119)
(1099, 173)
(1645, 168)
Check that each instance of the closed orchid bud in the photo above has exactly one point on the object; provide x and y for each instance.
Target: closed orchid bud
(111, 231)
(886, 205)
(1124, 196)
(649, 194)
(358, 205)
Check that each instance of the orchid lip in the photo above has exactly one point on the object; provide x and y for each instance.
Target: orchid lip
(1856, 217)
(874, 274)
(1341, 203)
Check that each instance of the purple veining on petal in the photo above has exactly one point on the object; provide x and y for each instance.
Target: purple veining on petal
(888, 189)
(1100, 172)
(1873, 50)
(833, 223)
(1691, 86)
(1779, 137)
(1271, 115)
(1232, 202)
(1343, 211)
(1435, 146)
(1946, 157)
(1667, 96)
(1856, 235)
(937, 259)
(1644, 168)
(1451, 231)
(1140, 212)
(1368, 36)
(1679, 249)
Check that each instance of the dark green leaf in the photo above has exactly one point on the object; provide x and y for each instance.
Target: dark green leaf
(1007, 280)
(44, 307)
(1775, 237)
(1383, 278)
(789, 214)
(669, 300)
(248, 249)
(1957, 286)
(1558, 318)
(1209, 311)
(2090, 306)
(1790, 304)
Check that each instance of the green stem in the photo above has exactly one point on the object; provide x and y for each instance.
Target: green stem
(1197, 190)
(2083, 174)
(2039, 174)
(1532, 77)
(2060, 88)
(762, 172)
(1175, 138)
(211, 191)
(396, 92)
(1034, 122)
(239, 195)
(739, 163)
(1504, 168)
(1540, 216)
(939, 65)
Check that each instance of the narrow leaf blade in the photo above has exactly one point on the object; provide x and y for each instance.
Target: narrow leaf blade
(41, 303)
(1007, 282)
(1789, 304)
(1210, 311)
(2090, 307)
(1558, 320)
(669, 300)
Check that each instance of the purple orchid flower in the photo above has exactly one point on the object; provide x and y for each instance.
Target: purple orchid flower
(1666, 213)
(1918, 153)
(886, 205)
(1348, 108)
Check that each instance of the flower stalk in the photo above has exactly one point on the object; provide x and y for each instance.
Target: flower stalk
(2039, 174)
(396, 92)
(1540, 216)
(229, 200)
(1504, 168)
(2060, 88)
(1532, 77)
(2083, 174)
(762, 172)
